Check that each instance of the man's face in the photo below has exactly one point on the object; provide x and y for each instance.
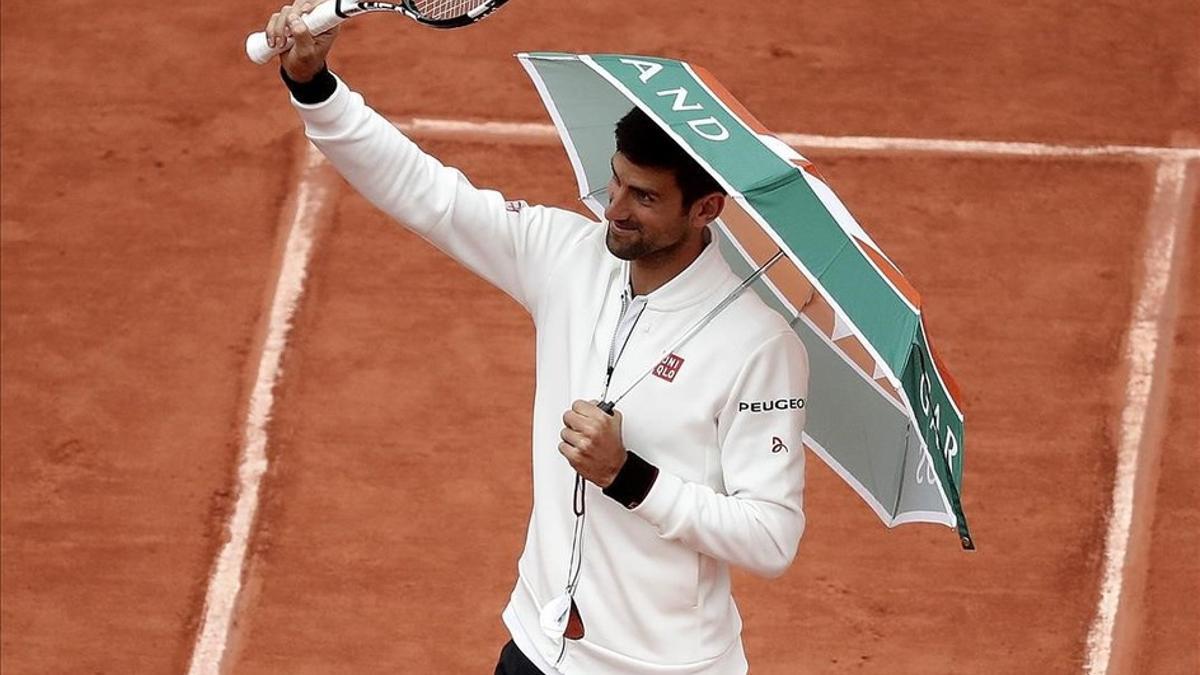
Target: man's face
(645, 211)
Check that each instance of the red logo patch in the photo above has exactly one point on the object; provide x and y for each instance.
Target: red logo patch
(668, 368)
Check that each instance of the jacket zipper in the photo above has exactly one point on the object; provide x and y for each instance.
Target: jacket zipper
(614, 354)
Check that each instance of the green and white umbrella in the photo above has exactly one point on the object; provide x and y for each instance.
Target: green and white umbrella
(882, 411)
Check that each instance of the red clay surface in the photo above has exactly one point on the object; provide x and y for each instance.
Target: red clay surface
(400, 495)
(1037, 312)
(1120, 72)
(1168, 642)
(139, 213)
(143, 176)
(136, 235)
(395, 516)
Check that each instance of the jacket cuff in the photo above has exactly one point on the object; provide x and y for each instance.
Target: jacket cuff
(316, 90)
(633, 481)
(664, 507)
(328, 118)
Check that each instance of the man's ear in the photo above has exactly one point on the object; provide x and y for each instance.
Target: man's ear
(708, 208)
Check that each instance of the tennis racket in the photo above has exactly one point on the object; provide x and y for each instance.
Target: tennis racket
(432, 13)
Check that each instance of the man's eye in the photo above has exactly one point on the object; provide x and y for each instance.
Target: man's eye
(643, 197)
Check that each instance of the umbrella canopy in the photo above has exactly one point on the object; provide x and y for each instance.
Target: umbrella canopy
(883, 412)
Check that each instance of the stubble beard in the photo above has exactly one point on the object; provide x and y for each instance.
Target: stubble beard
(628, 250)
(641, 248)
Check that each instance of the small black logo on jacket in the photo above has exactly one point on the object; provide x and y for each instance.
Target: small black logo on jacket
(777, 445)
(768, 406)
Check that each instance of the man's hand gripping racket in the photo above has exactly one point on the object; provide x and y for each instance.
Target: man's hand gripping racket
(323, 17)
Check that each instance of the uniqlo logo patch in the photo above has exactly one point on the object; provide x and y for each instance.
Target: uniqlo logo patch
(668, 368)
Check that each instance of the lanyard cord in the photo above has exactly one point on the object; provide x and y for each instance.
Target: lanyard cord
(575, 564)
(579, 498)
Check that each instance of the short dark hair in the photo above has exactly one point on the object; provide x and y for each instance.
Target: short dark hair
(644, 143)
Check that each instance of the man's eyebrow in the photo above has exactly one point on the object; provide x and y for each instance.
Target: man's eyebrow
(639, 188)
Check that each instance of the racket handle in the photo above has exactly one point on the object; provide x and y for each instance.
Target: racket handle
(320, 19)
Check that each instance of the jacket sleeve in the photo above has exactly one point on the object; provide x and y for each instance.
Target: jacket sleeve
(510, 244)
(758, 522)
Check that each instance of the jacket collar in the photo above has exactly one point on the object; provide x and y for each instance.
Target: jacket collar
(707, 274)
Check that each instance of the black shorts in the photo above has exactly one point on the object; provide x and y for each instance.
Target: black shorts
(513, 662)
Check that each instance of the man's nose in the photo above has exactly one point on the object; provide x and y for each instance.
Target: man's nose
(617, 208)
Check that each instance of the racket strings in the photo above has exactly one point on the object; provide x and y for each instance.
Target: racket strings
(447, 9)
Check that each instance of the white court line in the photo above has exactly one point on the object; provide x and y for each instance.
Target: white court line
(1165, 216)
(528, 132)
(226, 580)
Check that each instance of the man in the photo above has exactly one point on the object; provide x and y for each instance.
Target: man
(637, 513)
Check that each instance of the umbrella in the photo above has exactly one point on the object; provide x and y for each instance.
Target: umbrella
(883, 411)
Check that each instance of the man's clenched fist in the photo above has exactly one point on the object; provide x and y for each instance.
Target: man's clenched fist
(591, 442)
(307, 56)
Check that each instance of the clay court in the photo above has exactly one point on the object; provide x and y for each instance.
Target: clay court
(185, 284)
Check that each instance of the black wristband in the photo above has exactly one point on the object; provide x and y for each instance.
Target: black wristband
(633, 481)
(316, 90)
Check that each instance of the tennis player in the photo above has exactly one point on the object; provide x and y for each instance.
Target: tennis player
(638, 514)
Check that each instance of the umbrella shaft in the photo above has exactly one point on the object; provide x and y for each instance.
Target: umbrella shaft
(704, 321)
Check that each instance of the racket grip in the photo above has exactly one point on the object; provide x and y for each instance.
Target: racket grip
(322, 18)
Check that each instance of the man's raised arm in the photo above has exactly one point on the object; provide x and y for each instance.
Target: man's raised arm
(513, 246)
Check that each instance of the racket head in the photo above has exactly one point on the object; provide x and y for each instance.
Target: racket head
(450, 13)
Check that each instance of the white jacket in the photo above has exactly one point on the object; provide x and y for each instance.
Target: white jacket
(725, 433)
